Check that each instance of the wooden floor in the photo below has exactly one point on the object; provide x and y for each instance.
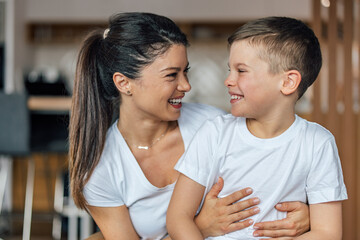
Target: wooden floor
(41, 227)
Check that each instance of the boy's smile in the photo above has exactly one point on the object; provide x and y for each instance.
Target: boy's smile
(235, 97)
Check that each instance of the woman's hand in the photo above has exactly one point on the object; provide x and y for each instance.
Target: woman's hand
(296, 223)
(219, 216)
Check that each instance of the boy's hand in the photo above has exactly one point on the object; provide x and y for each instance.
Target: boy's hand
(296, 223)
(219, 216)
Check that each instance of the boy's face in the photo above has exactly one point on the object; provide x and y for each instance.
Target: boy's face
(253, 89)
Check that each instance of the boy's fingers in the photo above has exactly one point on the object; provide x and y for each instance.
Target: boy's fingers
(216, 188)
(236, 196)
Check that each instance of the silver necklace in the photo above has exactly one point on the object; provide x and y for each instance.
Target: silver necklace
(156, 140)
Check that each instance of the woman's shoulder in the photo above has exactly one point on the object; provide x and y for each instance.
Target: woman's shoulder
(201, 111)
(112, 154)
(104, 185)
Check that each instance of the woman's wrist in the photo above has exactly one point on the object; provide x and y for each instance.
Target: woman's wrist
(202, 227)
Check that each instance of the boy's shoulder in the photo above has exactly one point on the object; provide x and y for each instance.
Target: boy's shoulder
(313, 129)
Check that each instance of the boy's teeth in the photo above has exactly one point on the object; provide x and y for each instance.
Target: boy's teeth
(175, 100)
(236, 97)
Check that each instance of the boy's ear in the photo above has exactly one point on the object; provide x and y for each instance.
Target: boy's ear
(291, 82)
(122, 83)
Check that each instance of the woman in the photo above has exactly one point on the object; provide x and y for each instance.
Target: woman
(122, 173)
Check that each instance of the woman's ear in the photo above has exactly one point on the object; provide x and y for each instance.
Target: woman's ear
(291, 82)
(122, 83)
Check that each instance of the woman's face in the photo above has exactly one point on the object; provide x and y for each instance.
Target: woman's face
(157, 94)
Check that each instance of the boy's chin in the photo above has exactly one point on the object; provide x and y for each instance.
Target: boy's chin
(237, 113)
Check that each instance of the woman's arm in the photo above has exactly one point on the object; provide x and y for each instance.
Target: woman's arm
(114, 222)
(296, 222)
(184, 203)
(219, 216)
(326, 222)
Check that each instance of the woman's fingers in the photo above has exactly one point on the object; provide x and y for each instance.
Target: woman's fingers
(242, 205)
(239, 225)
(275, 225)
(275, 233)
(289, 206)
(282, 238)
(216, 188)
(236, 217)
(236, 196)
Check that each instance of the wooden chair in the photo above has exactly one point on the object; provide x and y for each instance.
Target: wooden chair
(15, 141)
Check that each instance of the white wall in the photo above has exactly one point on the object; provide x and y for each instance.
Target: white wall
(179, 10)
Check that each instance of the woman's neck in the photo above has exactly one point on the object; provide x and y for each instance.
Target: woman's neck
(141, 131)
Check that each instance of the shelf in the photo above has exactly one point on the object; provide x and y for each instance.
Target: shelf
(49, 103)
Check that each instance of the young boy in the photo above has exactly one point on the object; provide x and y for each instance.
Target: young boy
(263, 143)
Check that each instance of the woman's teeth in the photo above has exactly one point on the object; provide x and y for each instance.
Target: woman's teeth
(175, 101)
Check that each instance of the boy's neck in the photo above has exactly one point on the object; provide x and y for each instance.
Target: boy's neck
(270, 127)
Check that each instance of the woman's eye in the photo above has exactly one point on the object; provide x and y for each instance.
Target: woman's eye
(241, 70)
(187, 69)
(172, 75)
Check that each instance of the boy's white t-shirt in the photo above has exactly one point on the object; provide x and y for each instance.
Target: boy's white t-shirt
(118, 178)
(302, 164)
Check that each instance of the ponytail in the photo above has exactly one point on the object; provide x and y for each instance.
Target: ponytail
(91, 115)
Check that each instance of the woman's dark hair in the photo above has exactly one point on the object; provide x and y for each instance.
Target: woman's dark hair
(132, 41)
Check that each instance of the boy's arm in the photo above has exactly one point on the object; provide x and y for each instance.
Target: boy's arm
(325, 222)
(184, 203)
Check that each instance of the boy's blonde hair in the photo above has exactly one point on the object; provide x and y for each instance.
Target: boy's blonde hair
(286, 44)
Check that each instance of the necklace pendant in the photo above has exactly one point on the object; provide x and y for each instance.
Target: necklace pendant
(143, 147)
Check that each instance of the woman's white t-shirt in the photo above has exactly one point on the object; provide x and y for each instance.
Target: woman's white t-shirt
(118, 179)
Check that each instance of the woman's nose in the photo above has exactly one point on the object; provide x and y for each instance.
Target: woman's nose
(184, 85)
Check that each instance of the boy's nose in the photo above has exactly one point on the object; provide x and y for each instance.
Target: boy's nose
(228, 82)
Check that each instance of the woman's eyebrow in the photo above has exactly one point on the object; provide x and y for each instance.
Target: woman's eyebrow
(171, 68)
(174, 68)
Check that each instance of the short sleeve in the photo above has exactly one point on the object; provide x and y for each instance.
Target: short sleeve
(102, 190)
(325, 180)
(198, 160)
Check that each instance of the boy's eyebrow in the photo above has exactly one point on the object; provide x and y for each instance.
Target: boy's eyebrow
(174, 68)
(238, 64)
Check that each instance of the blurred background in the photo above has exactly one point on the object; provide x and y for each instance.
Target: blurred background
(39, 41)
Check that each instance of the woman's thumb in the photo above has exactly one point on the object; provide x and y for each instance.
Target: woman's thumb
(216, 188)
